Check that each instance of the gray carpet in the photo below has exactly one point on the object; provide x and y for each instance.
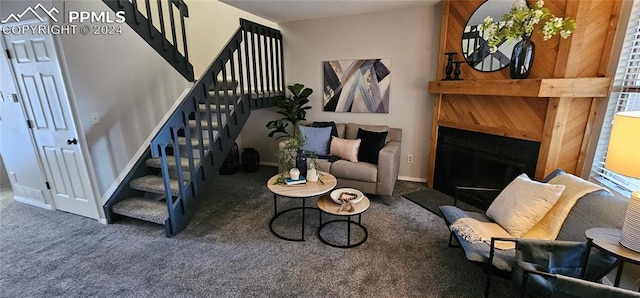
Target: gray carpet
(228, 251)
(431, 199)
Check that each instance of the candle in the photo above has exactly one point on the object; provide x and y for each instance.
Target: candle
(294, 173)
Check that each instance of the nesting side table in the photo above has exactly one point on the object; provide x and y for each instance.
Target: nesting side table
(310, 190)
(326, 205)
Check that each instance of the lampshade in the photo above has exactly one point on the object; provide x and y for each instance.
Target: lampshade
(623, 157)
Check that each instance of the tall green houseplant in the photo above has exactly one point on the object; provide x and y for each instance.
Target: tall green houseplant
(293, 109)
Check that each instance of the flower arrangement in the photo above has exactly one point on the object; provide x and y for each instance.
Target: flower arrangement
(521, 21)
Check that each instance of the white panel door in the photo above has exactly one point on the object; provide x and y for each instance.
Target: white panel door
(45, 100)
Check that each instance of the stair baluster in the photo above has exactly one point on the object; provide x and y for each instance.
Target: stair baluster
(220, 96)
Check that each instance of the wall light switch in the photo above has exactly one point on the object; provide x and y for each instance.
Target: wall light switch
(95, 118)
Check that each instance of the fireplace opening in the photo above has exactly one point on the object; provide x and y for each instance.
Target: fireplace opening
(473, 159)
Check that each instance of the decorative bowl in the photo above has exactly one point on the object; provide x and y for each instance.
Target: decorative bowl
(335, 195)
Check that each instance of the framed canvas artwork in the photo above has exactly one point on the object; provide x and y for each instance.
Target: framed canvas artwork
(357, 86)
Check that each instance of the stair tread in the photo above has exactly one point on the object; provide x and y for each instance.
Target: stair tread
(182, 141)
(204, 124)
(266, 93)
(154, 184)
(222, 108)
(221, 94)
(144, 209)
(171, 162)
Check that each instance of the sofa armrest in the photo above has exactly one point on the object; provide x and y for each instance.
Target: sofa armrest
(388, 167)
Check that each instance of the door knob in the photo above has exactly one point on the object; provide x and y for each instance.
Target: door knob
(72, 141)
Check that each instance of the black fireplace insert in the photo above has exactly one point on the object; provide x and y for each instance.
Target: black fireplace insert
(473, 159)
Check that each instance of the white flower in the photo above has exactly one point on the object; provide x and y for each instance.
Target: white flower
(488, 19)
(517, 4)
(557, 22)
(540, 4)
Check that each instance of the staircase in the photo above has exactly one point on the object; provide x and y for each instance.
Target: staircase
(178, 169)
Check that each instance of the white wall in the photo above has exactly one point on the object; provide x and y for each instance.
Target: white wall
(127, 83)
(408, 36)
(209, 27)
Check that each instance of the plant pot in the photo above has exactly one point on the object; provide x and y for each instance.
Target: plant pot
(522, 59)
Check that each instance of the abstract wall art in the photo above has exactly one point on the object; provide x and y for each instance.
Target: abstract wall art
(357, 86)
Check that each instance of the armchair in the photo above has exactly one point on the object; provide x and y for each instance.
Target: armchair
(595, 209)
(556, 269)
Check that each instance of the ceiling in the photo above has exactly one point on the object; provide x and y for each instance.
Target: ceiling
(281, 11)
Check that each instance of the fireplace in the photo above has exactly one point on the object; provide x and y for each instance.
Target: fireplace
(466, 158)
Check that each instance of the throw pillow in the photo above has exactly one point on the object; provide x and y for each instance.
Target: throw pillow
(317, 139)
(345, 149)
(334, 128)
(371, 144)
(523, 203)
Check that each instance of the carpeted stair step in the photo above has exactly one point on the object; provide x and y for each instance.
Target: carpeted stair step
(214, 108)
(154, 184)
(221, 94)
(204, 124)
(260, 94)
(144, 209)
(230, 84)
(171, 162)
(182, 141)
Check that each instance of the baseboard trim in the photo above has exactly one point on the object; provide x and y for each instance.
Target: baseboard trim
(142, 149)
(412, 179)
(32, 203)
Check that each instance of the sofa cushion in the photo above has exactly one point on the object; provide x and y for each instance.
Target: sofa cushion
(523, 203)
(361, 171)
(352, 129)
(316, 139)
(323, 164)
(345, 149)
(371, 144)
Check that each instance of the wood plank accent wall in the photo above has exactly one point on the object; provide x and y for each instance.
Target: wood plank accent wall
(561, 124)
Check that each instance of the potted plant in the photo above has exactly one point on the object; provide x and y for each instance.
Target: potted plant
(293, 109)
(519, 24)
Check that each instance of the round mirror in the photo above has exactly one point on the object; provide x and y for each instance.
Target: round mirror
(474, 41)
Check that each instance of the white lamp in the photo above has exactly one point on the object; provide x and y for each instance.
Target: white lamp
(623, 157)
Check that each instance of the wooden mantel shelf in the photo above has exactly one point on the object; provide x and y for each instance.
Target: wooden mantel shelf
(558, 87)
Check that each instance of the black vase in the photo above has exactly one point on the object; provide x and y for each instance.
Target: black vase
(301, 163)
(522, 59)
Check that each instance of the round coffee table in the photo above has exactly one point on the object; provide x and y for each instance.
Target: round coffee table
(327, 205)
(310, 190)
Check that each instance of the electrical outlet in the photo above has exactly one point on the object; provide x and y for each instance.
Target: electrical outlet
(410, 158)
(95, 118)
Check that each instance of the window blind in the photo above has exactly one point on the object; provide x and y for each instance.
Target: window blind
(625, 96)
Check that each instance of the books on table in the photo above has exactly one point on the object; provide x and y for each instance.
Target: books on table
(300, 182)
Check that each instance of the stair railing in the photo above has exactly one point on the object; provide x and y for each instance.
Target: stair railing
(226, 83)
(150, 20)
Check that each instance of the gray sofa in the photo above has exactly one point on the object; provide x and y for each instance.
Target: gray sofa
(596, 209)
(369, 178)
